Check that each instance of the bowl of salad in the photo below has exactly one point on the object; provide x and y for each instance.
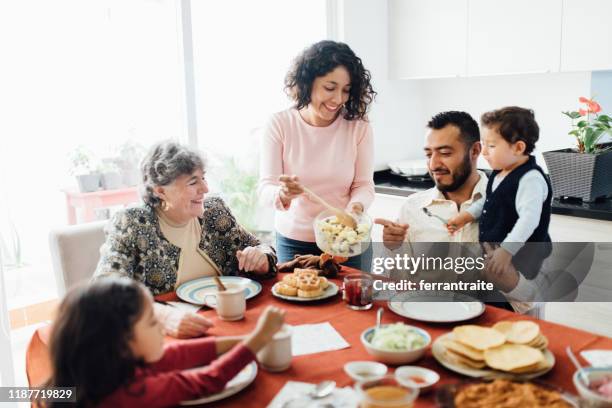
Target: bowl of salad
(334, 238)
(396, 343)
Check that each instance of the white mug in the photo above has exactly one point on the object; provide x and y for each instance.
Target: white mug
(230, 303)
(276, 355)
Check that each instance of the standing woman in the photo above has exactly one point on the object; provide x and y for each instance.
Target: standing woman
(324, 142)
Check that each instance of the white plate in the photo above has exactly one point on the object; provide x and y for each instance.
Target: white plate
(234, 386)
(195, 290)
(331, 290)
(438, 349)
(437, 308)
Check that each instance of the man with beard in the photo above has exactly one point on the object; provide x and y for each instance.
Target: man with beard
(452, 147)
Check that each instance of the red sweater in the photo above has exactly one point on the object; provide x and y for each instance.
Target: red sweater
(173, 379)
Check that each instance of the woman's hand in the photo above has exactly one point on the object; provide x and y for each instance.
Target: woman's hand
(182, 324)
(356, 208)
(290, 188)
(252, 259)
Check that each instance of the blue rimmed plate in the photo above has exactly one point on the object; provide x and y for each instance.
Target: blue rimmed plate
(194, 291)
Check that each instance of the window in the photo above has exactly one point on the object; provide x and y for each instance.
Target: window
(242, 51)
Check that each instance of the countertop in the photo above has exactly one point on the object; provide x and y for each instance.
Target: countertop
(385, 182)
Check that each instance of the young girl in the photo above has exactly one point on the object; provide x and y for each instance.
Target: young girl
(517, 205)
(108, 344)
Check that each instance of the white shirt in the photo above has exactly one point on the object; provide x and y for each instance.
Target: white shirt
(424, 228)
(530, 196)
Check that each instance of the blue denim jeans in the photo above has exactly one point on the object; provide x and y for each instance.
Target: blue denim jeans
(287, 248)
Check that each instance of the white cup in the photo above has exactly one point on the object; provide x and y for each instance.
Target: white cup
(276, 355)
(230, 303)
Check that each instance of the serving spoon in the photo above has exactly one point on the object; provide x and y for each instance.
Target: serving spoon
(581, 373)
(343, 217)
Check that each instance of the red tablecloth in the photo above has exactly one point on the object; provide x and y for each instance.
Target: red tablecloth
(329, 365)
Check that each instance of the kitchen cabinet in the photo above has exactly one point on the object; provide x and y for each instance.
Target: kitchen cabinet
(451, 38)
(427, 39)
(513, 36)
(587, 35)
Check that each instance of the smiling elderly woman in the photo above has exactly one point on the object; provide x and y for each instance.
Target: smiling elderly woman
(179, 235)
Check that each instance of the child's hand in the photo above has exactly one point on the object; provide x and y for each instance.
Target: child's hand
(500, 261)
(459, 221)
(271, 321)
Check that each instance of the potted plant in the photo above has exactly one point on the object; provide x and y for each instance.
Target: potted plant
(111, 178)
(83, 167)
(586, 171)
(130, 154)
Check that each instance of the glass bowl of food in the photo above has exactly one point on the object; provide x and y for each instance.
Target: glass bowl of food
(337, 239)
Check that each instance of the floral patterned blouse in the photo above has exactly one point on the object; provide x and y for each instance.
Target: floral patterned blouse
(136, 247)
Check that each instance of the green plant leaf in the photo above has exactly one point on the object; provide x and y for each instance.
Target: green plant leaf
(582, 123)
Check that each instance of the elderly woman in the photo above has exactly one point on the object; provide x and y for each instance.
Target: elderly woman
(179, 235)
(323, 142)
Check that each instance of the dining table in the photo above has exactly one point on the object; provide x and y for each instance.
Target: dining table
(314, 368)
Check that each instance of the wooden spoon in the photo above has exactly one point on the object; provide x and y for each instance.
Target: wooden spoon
(343, 217)
(220, 285)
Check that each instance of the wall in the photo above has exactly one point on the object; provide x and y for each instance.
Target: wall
(601, 90)
(546, 94)
(395, 114)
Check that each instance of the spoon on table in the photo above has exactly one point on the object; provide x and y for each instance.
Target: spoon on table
(321, 390)
(581, 373)
(343, 217)
(379, 314)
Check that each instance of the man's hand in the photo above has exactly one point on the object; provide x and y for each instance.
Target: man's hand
(507, 279)
(393, 233)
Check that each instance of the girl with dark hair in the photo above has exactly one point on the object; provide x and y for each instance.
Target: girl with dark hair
(108, 344)
(323, 142)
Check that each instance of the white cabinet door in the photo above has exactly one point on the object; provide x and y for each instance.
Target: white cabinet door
(586, 43)
(513, 36)
(427, 39)
(384, 206)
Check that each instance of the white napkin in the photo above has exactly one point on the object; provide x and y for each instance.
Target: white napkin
(294, 395)
(315, 338)
(598, 358)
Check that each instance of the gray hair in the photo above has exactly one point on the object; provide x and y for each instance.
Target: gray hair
(163, 164)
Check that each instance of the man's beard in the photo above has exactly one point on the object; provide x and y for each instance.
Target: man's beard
(460, 176)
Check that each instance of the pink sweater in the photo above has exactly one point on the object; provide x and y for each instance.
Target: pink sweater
(336, 162)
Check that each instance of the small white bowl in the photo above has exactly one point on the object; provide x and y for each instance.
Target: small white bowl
(594, 398)
(392, 356)
(430, 377)
(365, 370)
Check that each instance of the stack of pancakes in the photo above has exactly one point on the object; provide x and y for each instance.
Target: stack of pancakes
(304, 283)
(513, 347)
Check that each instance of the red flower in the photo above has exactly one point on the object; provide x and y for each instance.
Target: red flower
(592, 106)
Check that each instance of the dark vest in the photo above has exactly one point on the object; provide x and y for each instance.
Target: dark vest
(499, 216)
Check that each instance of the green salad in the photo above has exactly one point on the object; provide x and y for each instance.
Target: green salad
(397, 337)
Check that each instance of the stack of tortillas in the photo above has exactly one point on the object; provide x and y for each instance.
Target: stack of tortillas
(512, 347)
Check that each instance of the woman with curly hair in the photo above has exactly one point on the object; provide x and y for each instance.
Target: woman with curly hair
(323, 142)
